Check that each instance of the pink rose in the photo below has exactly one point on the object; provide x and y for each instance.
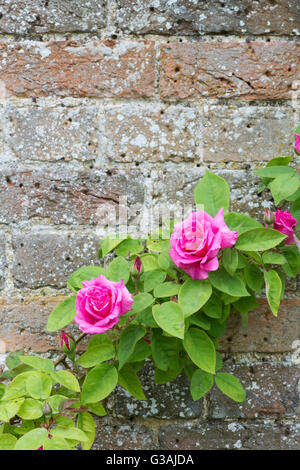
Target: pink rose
(100, 303)
(197, 240)
(284, 223)
(297, 143)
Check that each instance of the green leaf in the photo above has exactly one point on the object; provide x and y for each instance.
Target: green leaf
(201, 383)
(169, 316)
(86, 423)
(259, 239)
(32, 440)
(213, 308)
(67, 379)
(274, 171)
(273, 290)
(201, 320)
(109, 244)
(17, 387)
(31, 409)
(130, 381)
(162, 377)
(141, 351)
(158, 244)
(99, 383)
(167, 289)
(230, 386)
(292, 255)
(271, 257)
(240, 223)
(141, 302)
(128, 339)
(69, 432)
(38, 363)
(97, 409)
(163, 260)
(13, 360)
(146, 318)
(86, 273)
(62, 314)
(150, 262)
(201, 349)
(253, 277)
(96, 354)
(246, 304)
(39, 385)
(283, 187)
(230, 260)
(153, 278)
(7, 441)
(165, 350)
(193, 295)
(212, 192)
(56, 443)
(231, 285)
(279, 161)
(118, 270)
(8, 409)
(295, 209)
(130, 245)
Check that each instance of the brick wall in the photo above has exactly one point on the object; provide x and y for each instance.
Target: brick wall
(101, 99)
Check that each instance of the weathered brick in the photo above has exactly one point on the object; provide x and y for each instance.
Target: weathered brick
(235, 133)
(272, 390)
(264, 332)
(65, 195)
(52, 133)
(47, 257)
(192, 17)
(38, 16)
(2, 259)
(254, 70)
(112, 435)
(69, 68)
(135, 133)
(174, 186)
(169, 401)
(23, 323)
(235, 435)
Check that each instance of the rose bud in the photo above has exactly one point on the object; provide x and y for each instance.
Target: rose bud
(269, 217)
(47, 410)
(67, 343)
(137, 267)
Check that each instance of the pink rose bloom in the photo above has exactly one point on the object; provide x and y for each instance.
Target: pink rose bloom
(284, 223)
(100, 303)
(297, 143)
(196, 241)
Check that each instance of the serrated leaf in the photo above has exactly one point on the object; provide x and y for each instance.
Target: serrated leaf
(212, 192)
(230, 386)
(193, 295)
(62, 315)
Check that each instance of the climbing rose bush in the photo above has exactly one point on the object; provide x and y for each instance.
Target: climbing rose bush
(164, 299)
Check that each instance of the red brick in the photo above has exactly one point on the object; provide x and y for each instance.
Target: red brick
(65, 195)
(69, 68)
(264, 333)
(23, 323)
(249, 71)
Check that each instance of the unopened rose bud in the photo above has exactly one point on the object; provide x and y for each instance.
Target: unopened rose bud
(137, 267)
(269, 217)
(47, 410)
(67, 343)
